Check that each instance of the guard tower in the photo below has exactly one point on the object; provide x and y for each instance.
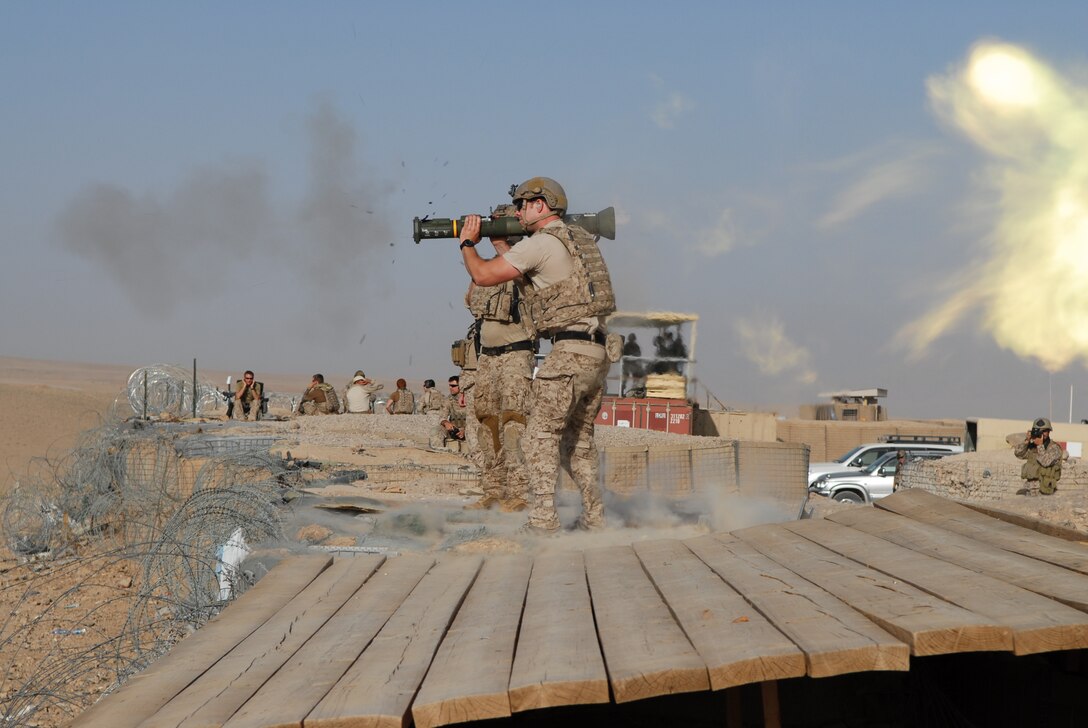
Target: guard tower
(852, 405)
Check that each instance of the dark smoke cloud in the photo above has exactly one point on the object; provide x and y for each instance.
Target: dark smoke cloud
(220, 227)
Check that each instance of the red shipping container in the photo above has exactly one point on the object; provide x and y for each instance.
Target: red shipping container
(652, 413)
(616, 411)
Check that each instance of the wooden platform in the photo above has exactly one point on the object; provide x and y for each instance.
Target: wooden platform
(367, 641)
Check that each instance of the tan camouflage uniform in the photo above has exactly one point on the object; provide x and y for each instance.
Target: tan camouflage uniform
(431, 401)
(251, 394)
(1042, 468)
(502, 394)
(569, 386)
(404, 402)
(320, 399)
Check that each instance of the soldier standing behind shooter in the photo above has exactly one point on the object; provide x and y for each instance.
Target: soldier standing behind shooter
(503, 386)
(571, 293)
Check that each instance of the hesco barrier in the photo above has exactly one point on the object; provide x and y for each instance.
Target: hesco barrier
(773, 470)
(977, 478)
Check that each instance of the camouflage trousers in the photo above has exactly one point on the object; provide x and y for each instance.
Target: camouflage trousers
(468, 387)
(567, 394)
(315, 408)
(501, 400)
(238, 412)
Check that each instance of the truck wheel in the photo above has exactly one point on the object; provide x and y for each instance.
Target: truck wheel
(848, 496)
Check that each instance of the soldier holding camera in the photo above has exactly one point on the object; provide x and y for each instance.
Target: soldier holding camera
(1042, 460)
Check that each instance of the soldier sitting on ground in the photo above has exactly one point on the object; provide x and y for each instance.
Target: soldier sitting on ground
(431, 401)
(319, 399)
(246, 403)
(360, 395)
(401, 402)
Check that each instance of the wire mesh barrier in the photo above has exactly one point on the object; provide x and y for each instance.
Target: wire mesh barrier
(135, 518)
(672, 470)
(406, 471)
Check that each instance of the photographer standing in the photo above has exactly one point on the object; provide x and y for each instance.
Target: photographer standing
(1043, 460)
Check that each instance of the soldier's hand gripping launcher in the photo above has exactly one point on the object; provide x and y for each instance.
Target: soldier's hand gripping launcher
(601, 223)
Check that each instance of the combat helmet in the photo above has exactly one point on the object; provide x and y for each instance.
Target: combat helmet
(545, 187)
(1042, 424)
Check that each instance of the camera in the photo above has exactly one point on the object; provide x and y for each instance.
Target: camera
(1036, 432)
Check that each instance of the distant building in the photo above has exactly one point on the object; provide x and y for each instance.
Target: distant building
(854, 405)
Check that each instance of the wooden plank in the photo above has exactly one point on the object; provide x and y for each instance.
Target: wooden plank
(646, 652)
(145, 693)
(1038, 624)
(737, 643)
(377, 690)
(918, 505)
(558, 659)
(930, 625)
(835, 638)
(1051, 581)
(470, 676)
(289, 695)
(223, 688)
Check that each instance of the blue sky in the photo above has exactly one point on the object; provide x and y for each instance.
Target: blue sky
(236, 183)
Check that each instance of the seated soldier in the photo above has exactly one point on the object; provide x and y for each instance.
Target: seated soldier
(247, 400)
(431, 401)
(455, 408)
(319, 398)
(360, 395)
(401, 402)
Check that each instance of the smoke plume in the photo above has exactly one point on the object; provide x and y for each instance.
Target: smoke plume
(1032, 125)
(764, 342)
(221, 226)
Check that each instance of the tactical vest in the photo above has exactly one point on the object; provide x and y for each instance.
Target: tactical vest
(330, 397)
(587, 292)
(406, 403)
(455, 413)
(1032, 470)
(496, 303)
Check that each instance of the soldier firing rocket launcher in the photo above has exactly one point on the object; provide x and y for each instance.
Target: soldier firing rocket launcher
(601, 224)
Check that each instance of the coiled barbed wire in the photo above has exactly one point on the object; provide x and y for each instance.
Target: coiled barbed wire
(124, 500)
(167, 390)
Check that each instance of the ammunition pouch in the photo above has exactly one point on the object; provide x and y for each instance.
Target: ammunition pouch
(459, 352)
(465, 352)
(613, 347)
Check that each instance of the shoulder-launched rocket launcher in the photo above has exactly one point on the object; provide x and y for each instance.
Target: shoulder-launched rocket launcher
(601, 224)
